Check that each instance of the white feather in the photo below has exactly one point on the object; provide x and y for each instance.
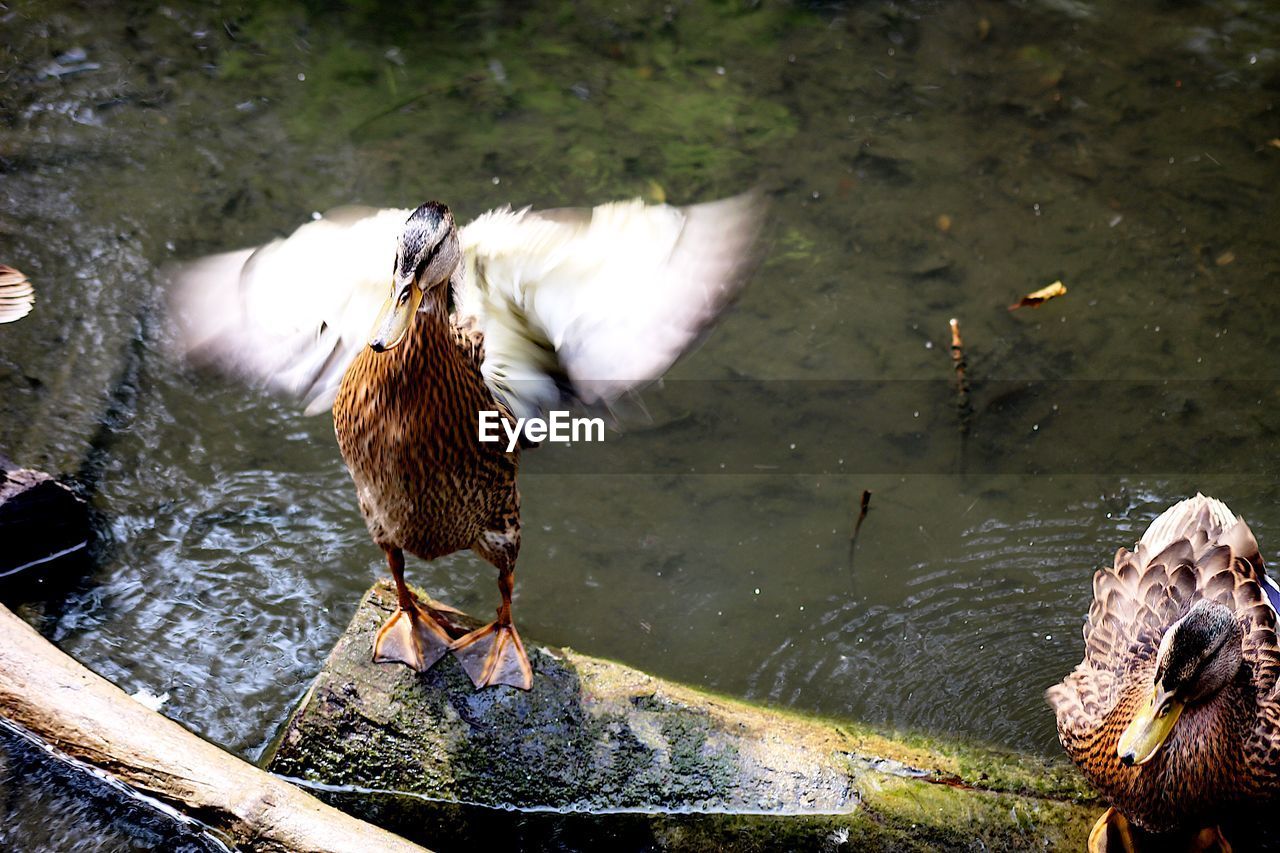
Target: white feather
(586, 303)
(295, 312)
(618, 292)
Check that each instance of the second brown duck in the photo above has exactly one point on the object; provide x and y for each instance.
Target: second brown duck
(1174, 713)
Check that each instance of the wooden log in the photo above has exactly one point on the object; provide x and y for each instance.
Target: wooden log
(86, 717)
(41, 520)
(691, 771)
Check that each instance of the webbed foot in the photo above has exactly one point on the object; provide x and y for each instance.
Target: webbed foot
(494, 655)
(411, 636)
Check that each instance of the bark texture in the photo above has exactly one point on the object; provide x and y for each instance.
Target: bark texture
(88, 718)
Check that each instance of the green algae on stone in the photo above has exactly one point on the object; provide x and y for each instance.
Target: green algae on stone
(594, 738)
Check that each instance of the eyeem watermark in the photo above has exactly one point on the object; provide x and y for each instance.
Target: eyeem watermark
(558, 426)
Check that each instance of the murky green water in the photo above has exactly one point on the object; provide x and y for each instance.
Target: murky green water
(1128, 149)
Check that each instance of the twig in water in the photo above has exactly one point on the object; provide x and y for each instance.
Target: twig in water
(857, 525)
(964, 409)
(399, 105)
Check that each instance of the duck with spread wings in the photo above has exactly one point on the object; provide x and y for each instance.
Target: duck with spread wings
(514, 313)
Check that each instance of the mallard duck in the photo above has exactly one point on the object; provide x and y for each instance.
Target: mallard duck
(1174, 713)
(516, 312)
(17, 296)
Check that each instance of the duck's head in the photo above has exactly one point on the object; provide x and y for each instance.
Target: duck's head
(427, 253)
(1198, 656)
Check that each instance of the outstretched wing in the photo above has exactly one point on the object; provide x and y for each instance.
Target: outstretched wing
(294, 313)
(580, 304)
(589, 304)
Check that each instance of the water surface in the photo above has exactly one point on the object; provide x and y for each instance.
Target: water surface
(923, 161)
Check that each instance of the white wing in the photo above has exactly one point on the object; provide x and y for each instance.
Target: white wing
(295, 312)
(583, 304)
(589, 304)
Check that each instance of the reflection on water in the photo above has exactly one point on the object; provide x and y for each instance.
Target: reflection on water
(925, 161)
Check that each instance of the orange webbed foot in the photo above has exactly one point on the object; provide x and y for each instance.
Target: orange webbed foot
(494, 655)
(412, 637)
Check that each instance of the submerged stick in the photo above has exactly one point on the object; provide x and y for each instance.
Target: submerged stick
(857, 525)
(964, 409)
(89, 719)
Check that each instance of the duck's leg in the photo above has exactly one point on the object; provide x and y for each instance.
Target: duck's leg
(494, 654)
(413, 635)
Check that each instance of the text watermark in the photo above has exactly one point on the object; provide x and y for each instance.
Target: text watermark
(558, 427)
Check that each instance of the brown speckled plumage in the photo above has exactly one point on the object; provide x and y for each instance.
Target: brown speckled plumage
(406, 421)
(1222, 752)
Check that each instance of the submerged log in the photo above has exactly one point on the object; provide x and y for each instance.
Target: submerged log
(41, 520)
(86, 717)
(690, 770)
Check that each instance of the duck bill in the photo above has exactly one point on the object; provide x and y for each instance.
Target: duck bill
(1150, 729)
(394, 320)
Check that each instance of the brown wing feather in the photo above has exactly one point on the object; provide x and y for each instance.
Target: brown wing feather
(1195, 549)
(17, 296)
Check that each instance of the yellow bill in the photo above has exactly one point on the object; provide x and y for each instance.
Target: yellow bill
(1150, 728)
(395, 318)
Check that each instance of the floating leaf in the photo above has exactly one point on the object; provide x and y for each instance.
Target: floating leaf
(1042, 295)
(16, 295)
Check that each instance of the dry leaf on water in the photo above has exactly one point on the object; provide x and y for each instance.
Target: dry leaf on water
(1042, 295)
